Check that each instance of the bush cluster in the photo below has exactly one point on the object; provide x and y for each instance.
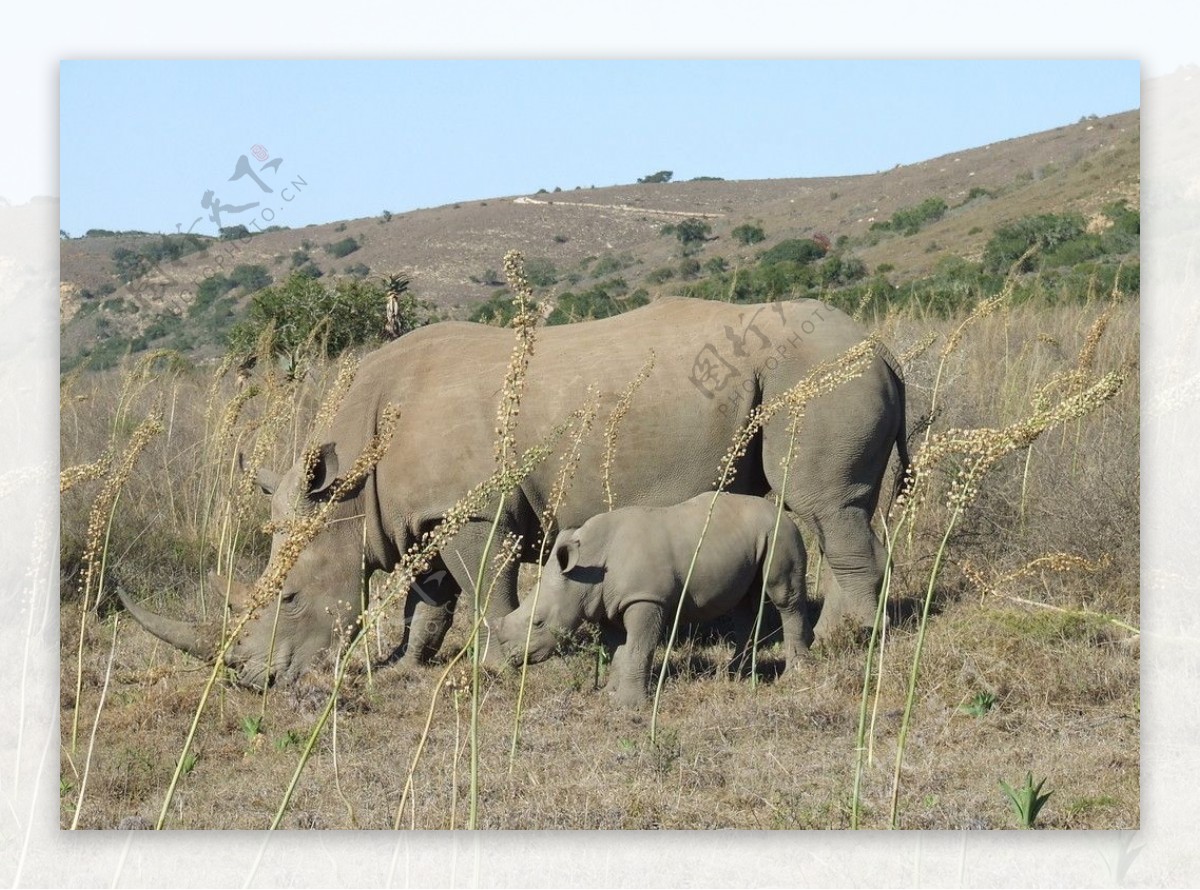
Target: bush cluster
(131, 264)
(342, 248)
(909, 220)
(307, 314)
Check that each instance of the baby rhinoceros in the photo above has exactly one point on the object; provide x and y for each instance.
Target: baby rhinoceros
(625, 570)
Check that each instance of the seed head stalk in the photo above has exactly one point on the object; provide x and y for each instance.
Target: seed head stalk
(821, 379)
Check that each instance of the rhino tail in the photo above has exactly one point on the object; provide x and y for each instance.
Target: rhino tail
(902, 479)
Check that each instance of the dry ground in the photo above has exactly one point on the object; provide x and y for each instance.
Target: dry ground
(1062, 674)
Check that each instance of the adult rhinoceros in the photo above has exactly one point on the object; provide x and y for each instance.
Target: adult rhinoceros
(714, 363)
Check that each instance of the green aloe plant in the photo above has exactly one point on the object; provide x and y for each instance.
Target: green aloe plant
(1026, 801)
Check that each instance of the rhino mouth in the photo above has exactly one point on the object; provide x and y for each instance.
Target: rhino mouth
(253, 671)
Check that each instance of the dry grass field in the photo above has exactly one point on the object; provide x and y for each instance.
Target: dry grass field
(1028, 663)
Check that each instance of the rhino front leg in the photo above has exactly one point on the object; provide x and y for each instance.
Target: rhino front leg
(633, 661)
(786, 588)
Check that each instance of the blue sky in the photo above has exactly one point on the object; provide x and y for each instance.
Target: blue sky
(142, 142)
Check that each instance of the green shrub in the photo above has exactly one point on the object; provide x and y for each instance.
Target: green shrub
(128, 264)
(1048, 231)
(909, 220)
(358, 270)
(599, 301)
(793, 250)
(496, 310)
(610, 264)
(541, 272)
(1077, 250)
(1124, 236)
(250, 277)
(749, 234)
(839, 269)
(342, 248)
(691, 232)
(208, 291)
(689, 268)
(658, 276)
(234, 233)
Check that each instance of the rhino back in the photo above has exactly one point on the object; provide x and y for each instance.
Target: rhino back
(647, 552)
(447, 380)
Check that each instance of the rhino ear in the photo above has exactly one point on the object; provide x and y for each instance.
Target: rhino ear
(324, 470)
(566, 550)
(267, 480)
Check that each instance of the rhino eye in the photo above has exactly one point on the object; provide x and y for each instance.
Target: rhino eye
(288, 598)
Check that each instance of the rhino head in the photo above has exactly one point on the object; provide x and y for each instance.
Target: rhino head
(562, 604)
(319, 602)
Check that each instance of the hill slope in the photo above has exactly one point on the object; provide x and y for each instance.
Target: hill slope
(451, 252)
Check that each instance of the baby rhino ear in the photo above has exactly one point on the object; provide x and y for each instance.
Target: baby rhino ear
(566, 549)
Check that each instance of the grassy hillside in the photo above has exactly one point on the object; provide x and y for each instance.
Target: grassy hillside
(602, 249)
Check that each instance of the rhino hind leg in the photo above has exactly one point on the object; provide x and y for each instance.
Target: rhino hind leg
(462, 557)
(426, 621)
(856, 559)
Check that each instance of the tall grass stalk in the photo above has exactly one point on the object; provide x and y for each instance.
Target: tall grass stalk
(100, 520)
(416, 561)
(914, 673)
(981, 450)
(569, 462)
(823, 378)
(476, 656)
(793, 427)
(614, 422)
(270, 584)
(87, 760)
(982, 310)
(873, 666)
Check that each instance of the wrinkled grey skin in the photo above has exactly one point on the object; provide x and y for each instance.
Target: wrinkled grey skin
(625, 570)
(714, 362)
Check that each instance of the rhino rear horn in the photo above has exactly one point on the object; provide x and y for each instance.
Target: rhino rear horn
(237, 593)
(194, 639)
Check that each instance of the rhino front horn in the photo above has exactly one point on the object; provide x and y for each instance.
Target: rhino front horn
(193, 639)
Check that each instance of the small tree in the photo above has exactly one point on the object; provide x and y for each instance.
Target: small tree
(691, 232)
(660, 176)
